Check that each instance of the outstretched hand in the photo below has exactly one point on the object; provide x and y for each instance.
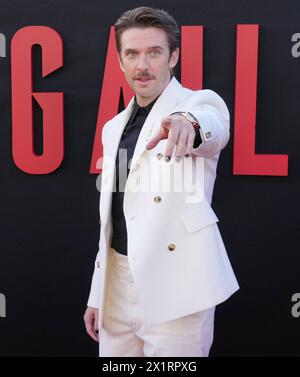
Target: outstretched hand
(179, 132)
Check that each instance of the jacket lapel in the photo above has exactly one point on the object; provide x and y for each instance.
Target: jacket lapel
(108, 174)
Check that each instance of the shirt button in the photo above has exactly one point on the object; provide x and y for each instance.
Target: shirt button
(159, 156)
(157, 199)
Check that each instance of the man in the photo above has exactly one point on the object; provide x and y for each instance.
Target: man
(162, 266)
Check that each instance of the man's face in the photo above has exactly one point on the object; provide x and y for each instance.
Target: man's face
(145, 60)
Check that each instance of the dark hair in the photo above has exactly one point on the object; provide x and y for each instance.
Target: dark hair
(148, 17)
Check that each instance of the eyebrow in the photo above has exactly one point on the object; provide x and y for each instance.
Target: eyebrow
(149, 48)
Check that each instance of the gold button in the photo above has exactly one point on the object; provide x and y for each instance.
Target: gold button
(159, 156)
(157, 199)
(98, 264)
(171, 247)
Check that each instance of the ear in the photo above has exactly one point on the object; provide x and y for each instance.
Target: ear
(174, 58)
(120, 63)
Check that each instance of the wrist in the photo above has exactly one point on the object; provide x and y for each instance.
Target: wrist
(189, 117)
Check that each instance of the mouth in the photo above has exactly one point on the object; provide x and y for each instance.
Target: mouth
(144, 80)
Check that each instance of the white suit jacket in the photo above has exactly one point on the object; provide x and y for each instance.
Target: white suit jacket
(175, 251)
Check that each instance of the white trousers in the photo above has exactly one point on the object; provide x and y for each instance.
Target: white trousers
(125, 335)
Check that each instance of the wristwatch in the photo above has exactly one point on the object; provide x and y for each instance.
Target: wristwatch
(189, 117)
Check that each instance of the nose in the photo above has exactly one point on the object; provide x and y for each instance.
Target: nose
(142, 63)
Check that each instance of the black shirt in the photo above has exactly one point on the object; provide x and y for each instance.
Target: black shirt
(127, 143)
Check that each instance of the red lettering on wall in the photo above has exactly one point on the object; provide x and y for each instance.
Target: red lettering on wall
(24, 155)
(192, 57)
(245, 161)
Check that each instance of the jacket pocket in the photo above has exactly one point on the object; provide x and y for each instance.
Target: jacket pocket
(198, 216)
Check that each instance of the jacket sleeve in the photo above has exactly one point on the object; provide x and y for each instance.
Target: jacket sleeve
(214, 119)
(93, 300)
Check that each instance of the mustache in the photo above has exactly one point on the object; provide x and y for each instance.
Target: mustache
(144, 76)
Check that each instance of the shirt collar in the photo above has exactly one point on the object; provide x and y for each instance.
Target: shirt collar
(147, 108)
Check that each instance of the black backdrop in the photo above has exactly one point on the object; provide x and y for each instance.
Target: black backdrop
(49, 223)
